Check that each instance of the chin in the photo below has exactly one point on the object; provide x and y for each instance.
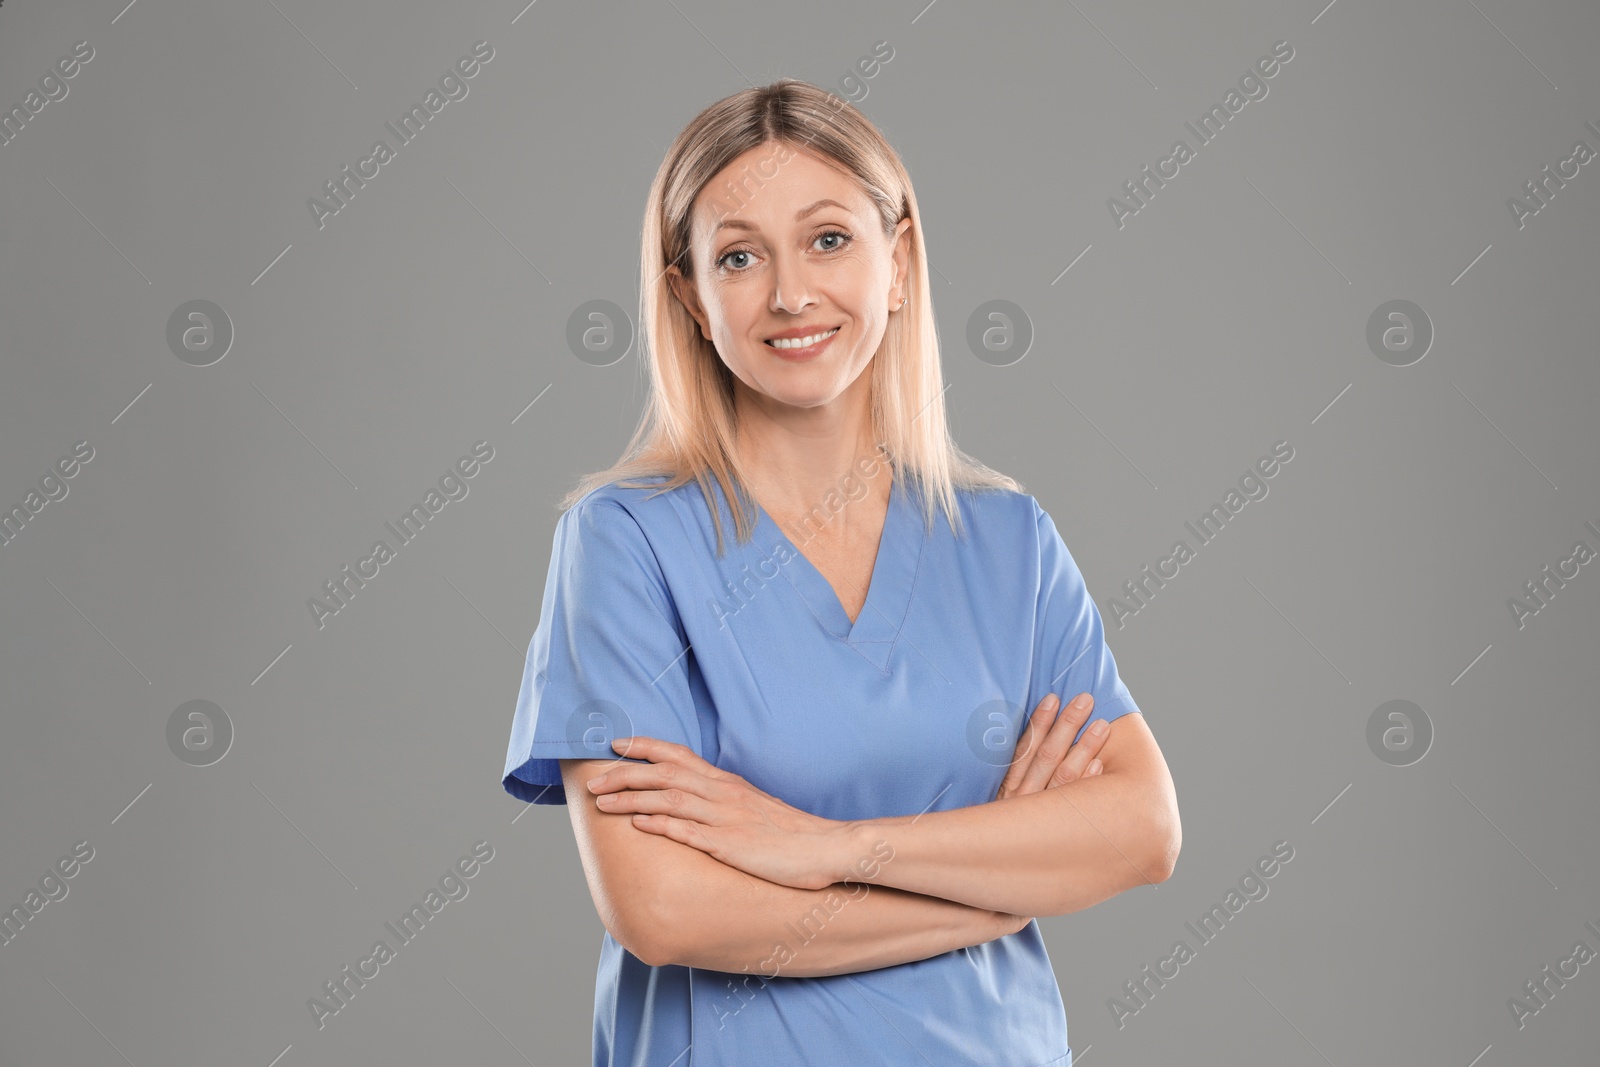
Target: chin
(797, 398)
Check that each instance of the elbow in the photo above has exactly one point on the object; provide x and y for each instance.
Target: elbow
(645, 941)
(652, 954)
(1163, 841)
(645, 945)
(645, 930)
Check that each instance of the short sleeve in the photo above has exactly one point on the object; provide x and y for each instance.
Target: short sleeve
(608, 658)
(1071, 655)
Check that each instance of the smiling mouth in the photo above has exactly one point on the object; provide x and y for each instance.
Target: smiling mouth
(802, 342)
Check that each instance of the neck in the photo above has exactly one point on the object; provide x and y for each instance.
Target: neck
(793, 458)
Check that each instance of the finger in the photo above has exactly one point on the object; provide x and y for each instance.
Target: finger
(1090, 737)
(627, 775)
(644, 777)
(1095, 767)
(1028, 743)
(1056, 744)
(1082, 754)
(1052, 748)
(640, 747)
(675, 802)
(656, 750)
(689, 833)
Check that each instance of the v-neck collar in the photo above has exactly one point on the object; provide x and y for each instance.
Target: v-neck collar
(882, 617)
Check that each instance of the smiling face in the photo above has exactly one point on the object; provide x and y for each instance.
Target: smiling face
(800, 261)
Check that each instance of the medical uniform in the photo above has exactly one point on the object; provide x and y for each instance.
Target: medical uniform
(751, 661)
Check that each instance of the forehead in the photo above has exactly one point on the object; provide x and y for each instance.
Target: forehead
(765, 188)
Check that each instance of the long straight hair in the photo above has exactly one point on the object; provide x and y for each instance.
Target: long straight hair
(687, 428)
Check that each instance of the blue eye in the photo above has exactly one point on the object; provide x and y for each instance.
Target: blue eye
(722, 260)
(834, 233)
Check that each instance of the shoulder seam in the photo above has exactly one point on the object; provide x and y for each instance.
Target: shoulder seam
(675, 618)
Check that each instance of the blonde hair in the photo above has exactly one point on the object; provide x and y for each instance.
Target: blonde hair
(687, 429)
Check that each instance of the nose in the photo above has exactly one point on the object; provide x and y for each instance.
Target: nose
(791, 286)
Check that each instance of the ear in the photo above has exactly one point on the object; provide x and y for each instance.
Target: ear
(901, 254)
(688, 295)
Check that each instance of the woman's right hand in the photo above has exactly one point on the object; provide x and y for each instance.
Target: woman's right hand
(1045, 754)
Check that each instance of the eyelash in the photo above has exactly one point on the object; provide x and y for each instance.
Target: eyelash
(745, 251)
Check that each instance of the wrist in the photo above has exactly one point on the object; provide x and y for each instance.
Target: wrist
(858, 852)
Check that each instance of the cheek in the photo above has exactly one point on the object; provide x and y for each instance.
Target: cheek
(871, 325)
(732, 317)
(735, 347)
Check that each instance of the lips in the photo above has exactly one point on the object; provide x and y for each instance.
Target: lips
(804, 348)
(796, 341)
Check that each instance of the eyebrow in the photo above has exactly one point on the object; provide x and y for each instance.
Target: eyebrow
(740, 224)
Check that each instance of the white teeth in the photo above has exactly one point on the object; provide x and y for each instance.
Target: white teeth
(802, 342)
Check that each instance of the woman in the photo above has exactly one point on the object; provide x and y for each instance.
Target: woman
(827, 842)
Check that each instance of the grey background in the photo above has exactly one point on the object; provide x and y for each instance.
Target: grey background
(1228, 314)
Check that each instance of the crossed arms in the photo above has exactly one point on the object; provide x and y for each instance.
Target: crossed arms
(956, 878)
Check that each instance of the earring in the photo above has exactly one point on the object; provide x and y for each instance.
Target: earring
(903, 301)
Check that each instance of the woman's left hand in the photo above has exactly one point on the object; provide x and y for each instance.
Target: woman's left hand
(679, 795)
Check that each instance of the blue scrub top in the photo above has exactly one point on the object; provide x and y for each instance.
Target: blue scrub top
(751, 661)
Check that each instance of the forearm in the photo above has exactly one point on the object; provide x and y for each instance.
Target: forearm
(720, 918)
(1047, 853)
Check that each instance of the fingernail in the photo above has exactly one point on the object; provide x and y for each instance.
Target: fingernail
(1094, 766)
(591, 783)
(1051, 702)
(1098, 728)
(1082, 701)
(620, 740)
